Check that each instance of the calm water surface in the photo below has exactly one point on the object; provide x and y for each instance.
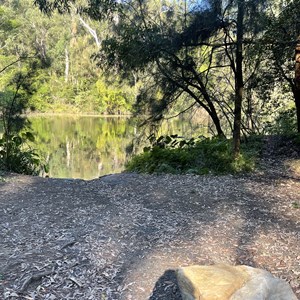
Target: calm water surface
(89, 147)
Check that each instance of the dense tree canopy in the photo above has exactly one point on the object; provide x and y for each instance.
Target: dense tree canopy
(233, 59)
(216, 54)
(67, 78)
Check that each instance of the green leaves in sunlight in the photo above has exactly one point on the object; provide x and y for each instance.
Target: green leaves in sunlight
(175, 155)
(15, 153)
(17, 156)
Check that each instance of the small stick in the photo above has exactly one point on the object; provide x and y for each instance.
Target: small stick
(33, 278)
(70, 243)
(76, 281)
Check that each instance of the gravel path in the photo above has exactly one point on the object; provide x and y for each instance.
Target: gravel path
(122, 236)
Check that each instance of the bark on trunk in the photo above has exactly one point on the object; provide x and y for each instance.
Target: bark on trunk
(239, 83)
(296, 90)
(67, 65)
(297, 101)
(214, 116)
(91, 31)
(212, 110)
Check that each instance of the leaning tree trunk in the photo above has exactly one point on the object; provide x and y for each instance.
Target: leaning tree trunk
(210, 108)
(296, 89)
(215, 118)
(239, 83)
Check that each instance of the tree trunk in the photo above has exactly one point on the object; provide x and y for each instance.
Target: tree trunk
(91, 31)
(239, 83)
(209, 107)
(67, 64)
(212, 110)
(296, 89)
(214, 116)
(68, 151)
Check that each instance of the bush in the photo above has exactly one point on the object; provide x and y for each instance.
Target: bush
(285, 123)
(15, 153)
(195, 156)
(17, 156)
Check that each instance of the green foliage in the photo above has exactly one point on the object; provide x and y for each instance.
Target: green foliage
(67, 80)
(284, 124)
(113, 98)
(17, 156)
(172, 141)
(170, 154)
(296, 139)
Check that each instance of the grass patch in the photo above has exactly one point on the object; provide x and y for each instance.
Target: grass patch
(200, 156)
(296, 205)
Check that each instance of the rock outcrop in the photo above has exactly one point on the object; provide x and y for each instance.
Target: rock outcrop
(224, 282)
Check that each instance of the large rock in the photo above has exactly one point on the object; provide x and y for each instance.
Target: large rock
(224, 282)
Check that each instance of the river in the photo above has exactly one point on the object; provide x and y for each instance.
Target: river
(88, 147)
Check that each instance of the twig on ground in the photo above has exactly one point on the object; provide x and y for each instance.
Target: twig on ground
(33, 278)
(68, 244)
(76, 281)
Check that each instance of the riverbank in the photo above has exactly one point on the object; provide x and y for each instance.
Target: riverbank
(122, 236)
(77, 114)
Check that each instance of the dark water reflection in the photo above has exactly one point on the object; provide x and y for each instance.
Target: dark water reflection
(89, 147)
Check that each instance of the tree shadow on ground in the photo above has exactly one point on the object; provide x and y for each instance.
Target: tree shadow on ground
(166, 287)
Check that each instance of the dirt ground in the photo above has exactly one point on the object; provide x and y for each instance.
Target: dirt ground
(123, 236)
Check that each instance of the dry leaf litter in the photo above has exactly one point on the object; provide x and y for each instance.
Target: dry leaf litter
(123, 235)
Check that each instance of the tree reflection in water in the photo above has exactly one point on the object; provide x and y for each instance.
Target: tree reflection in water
(88, 147)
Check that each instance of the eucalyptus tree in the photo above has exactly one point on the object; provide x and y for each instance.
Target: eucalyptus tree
(244, 22)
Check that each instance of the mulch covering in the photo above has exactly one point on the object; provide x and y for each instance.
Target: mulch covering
(122, 236)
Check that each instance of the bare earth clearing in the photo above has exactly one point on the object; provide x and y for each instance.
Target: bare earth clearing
(121, 236)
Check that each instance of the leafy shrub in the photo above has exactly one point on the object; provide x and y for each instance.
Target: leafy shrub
(170, 154)
(284, 124)
(17, 156)
(15, 153)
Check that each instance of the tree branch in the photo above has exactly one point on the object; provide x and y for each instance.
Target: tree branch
(91, 31)
(14, 62)
(182, 112)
